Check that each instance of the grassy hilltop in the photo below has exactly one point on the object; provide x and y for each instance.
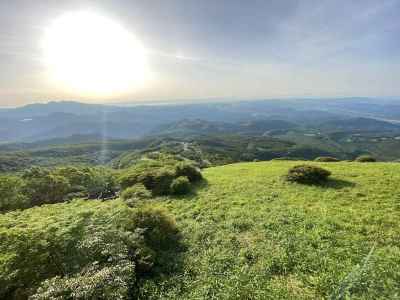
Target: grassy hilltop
(251, 235)
(243, 233)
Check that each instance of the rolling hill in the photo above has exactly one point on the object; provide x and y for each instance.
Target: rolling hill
(316, 128)
(61, 119)
(251, 235)
(211, 149)
(359, 125)
(244, 233)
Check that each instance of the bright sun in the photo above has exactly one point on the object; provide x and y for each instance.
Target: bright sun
(93, 55)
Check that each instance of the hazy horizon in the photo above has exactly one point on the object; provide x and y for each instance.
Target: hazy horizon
(183, 51)
(156, 102)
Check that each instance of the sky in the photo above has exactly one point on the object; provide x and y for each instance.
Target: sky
(214, 49)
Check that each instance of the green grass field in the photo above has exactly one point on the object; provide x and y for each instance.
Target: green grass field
(249, 234)
(246, 233)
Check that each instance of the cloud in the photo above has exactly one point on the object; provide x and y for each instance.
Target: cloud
(227, 48)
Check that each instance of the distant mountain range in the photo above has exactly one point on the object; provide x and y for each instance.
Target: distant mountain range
(75, 133)
(63, 119)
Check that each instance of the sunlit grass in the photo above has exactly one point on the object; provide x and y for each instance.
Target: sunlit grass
(252, 235)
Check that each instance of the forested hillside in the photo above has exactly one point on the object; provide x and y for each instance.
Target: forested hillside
(59, 133)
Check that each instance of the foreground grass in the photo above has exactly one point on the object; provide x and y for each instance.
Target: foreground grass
(251, 235)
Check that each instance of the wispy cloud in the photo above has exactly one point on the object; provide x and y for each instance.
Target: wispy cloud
(227, 48)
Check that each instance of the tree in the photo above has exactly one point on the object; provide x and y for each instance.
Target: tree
(102, 184)
(41, 186)
(11, 196)
(78, 178)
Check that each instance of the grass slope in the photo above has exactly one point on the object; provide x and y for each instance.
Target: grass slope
(251, 235)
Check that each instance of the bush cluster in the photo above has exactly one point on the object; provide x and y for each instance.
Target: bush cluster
(307, 174)
(135, 193)
(188, 170)
(38, 186)
(157, 180)
(162, 180)
(365, 158)
(180, 186)
(11, 197)
(81, 250)
(326, 159)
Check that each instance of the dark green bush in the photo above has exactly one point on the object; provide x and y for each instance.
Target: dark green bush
(307, 174)
(158, 181)
(11, 197)
(180, 186)
(134, 175)
(188, 170)
(102, 184)
(41, 186)
(326, 159)
(38, 186)
(365, 158)
(160, 231)
(79, 178)
(92, 183)
(287, 158)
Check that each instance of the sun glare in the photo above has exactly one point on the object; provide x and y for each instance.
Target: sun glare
(93, 55)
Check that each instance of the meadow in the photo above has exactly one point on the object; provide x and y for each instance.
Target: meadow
(243, 232)
(249, 234)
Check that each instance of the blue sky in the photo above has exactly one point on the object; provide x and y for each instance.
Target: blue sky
(221, 48)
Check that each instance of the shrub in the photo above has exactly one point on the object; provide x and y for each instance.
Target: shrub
(135, 193)
(80, 250)
(129, 178)
(188, 170)
(365, 158)
(180, 186)
(102, 184)
(142, 173)
(158, 181)
(41, 186)
(111, 282)
(287, 158)
(79, 178)
(307, 174)
(160, 231)
(326, 159)
(11, 197)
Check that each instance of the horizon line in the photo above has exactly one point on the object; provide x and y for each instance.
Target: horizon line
(211, 100)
